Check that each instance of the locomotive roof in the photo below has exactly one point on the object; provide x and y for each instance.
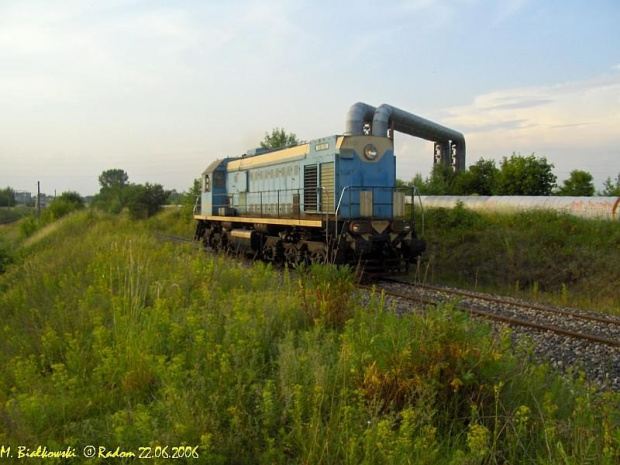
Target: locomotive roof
(254, 160)
(214, 165)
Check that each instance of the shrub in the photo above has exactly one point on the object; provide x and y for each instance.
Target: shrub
(28, 226)
(6, 257)
(549, 251)
(325, 292)
(443, 358)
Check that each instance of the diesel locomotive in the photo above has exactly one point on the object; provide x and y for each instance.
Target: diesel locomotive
(332, 199)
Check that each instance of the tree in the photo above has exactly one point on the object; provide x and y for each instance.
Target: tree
(611, 190)
(441, 181)
(64, 204)
(580, 183)
(112, 195)
(419, 182)
(114, 178)
(521, 175)
(278, 139)
(189, 197)
(401, 183)
(7, 197)
(145, 200)
(479, 179)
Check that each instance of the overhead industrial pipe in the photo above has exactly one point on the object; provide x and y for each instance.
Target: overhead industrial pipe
(358, 115)
(449, 143)
(408, 123)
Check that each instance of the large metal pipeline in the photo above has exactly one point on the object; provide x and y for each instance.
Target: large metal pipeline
(359, 114)
(586, 207)
(449, 144)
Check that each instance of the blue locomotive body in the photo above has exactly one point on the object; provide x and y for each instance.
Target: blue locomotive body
(329, 200)
(320, 177)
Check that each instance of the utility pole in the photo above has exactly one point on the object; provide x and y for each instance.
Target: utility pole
(38, 200)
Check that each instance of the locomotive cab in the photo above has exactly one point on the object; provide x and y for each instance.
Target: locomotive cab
(213, 187)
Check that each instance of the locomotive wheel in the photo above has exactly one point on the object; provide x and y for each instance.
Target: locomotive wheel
(292, 255)
(218, 243)
(319, 256)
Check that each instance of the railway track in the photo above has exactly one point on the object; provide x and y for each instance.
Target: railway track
(580, 325)
(570, 340)
(175, 239)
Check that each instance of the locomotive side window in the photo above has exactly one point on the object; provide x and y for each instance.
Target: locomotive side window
(219, 179)
(206, 184)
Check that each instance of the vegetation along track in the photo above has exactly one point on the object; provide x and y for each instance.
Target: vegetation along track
(582, 341)
(175, 239)
(570, 339)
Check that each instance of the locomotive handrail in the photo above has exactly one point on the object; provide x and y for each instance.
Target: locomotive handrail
(417, 191)
(267, 203)
(340, 200)
(322, 210)
(196, 205)
(228, 200)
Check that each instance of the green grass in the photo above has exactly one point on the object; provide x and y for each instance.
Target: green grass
(115, 338)
(543, 255)
(8, 214)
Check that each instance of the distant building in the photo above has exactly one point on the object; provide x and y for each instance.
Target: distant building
(23, 198)
(45, 199)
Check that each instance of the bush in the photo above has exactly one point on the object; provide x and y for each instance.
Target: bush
(6, 257)
(545, 250)
(325, 291)
(62, 205)
(28, 226)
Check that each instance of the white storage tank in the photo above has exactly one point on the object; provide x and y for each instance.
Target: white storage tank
(607, 208)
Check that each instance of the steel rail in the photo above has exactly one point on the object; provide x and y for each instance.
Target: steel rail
(175, 239)
(504, 319)
(531, 306)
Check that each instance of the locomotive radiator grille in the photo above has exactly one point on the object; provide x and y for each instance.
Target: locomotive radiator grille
(327, 187)
(310, 188)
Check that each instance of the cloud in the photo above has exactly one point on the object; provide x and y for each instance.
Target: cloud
(521, 103)
(573, 124)
(616, 67)
(593, 101)
(499, 126)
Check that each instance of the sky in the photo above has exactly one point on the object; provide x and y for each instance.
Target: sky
(160, 89)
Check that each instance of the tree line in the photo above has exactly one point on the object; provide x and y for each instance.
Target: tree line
(7, 197)
(516, 175)
(116, 194)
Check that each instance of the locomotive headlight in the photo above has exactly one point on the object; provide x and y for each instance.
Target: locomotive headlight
(370, 152)
(401, 226)
(359, 228)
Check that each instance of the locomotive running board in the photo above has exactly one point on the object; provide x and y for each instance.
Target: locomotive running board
(279, 221)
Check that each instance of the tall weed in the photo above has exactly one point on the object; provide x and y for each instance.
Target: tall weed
(115, 338)
(545, 252)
